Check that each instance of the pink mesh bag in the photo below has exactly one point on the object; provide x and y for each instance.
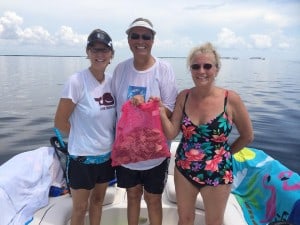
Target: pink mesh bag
(139, 134)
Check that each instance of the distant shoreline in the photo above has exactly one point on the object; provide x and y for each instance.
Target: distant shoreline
(81, 56)
(46, 55)
(25, 55)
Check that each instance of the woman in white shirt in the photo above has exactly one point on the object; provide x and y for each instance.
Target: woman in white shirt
(86, 113)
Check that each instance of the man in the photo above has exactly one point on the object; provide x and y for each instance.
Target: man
(138, 79)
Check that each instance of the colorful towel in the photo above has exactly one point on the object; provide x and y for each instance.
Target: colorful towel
(266, 190)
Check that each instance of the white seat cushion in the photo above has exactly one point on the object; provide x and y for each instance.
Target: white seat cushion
(59, 209)
(110, 195)
(173, 148)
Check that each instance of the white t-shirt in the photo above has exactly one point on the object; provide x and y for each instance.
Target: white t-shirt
(157, 81)
(93, 119)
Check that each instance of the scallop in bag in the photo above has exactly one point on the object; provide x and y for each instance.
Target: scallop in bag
(139, 134)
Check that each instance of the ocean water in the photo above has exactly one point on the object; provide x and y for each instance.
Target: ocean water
(31, 87)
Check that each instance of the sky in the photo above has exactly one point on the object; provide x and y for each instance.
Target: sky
(237, 28)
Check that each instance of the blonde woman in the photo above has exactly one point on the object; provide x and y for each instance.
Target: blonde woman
(205, 114)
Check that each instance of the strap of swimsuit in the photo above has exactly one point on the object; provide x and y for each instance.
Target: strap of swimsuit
(225, 100)
(186, 96)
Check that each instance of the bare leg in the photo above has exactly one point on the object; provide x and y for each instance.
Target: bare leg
(154, 206)
(215, 200)
(134, 196)
(96, 202)
(186, 195)
(80, 199)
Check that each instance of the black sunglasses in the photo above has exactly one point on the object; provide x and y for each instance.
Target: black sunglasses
(206, 66)
(145, 37)
(99, 50)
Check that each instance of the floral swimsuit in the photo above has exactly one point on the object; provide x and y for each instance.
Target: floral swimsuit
(203, 155)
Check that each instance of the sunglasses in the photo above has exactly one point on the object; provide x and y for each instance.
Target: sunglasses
(145, 37)
(206, 66)
(99, 50)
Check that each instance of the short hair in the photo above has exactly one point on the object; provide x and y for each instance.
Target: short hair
(202, 49)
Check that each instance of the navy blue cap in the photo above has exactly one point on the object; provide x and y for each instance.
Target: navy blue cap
(100, 36)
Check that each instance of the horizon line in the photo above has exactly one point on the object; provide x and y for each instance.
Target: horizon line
(79, 56)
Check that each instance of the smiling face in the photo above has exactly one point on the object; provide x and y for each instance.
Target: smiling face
(100, 55)
(203, 68)
(139, 42)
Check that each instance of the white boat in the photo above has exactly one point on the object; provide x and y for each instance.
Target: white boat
(263, 191)
(58, 211)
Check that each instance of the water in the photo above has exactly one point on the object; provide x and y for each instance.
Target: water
(31, 87)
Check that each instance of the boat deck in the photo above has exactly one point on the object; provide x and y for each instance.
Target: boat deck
(58, 211)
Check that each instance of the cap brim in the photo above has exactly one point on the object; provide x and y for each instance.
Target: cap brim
(141, 24)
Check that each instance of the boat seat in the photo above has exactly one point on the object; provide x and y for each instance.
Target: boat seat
(173, 148)
(59, 209)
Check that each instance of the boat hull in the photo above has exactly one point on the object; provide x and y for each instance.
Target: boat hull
(58, 211)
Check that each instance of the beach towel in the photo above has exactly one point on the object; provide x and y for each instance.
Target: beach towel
(266, 190)
(25, 181)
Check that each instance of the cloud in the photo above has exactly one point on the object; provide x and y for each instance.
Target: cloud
(284, 45)
(10, 25)
(206, 5)
(277, 19)
(11, 29)
(228, 39)
(236, 27)
(35, 35)
(261, 40)
(66, 36)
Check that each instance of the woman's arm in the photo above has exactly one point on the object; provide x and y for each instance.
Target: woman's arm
(63, 113)
(171, 126)
(242, 121)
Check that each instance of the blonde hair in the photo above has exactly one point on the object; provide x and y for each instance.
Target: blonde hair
(202, 49)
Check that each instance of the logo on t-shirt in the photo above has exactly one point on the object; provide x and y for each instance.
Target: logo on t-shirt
(135, 90)
(106, 100)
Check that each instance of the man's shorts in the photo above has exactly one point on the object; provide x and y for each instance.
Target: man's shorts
(86, 176)
(153, 180)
